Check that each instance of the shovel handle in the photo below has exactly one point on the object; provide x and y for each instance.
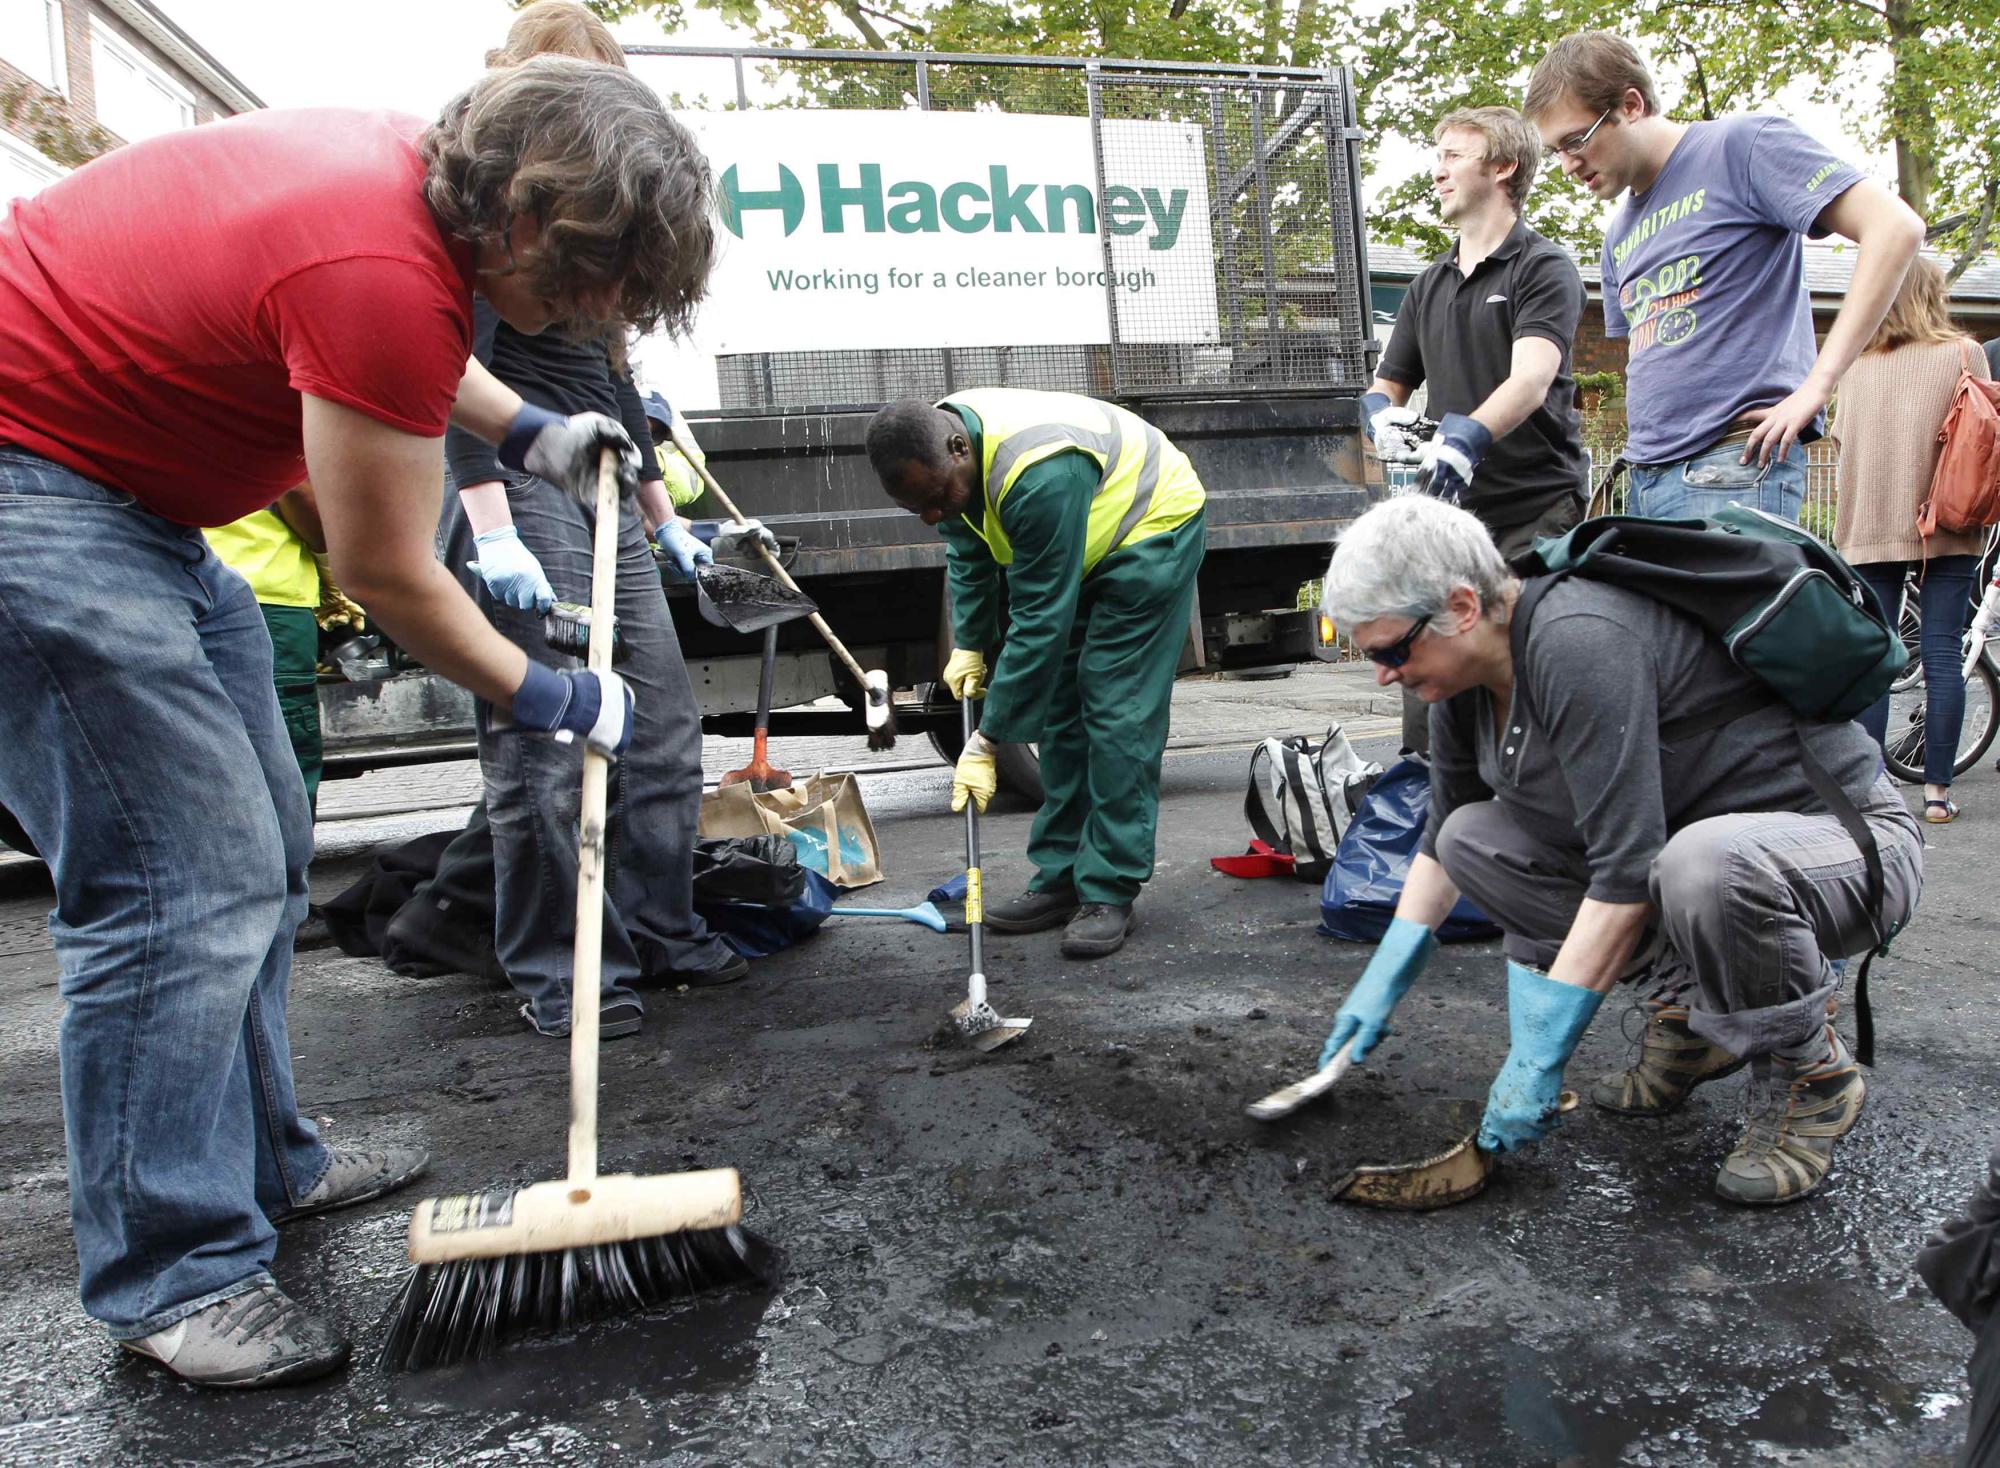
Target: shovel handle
(975, 898)
(686, 445)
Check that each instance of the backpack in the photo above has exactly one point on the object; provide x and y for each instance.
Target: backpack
(1302, 795)
(1965, 487)
(1789, 611)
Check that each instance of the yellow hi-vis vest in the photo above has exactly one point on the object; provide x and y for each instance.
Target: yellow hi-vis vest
(1148, 486)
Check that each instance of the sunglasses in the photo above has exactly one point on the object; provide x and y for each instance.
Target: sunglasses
(1573, 146)
(1396, 653)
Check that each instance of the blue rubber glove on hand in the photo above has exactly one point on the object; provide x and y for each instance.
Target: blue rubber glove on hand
(684, 550)
(511, 572)
(1452, 454)
(1545, 1019)
(1388, 428)
(1401, 955)
(570, 701)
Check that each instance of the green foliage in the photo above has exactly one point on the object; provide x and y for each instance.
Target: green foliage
(1609, 386)
(50, 128)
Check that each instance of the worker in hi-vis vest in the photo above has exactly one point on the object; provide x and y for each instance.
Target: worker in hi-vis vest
(1096, 521)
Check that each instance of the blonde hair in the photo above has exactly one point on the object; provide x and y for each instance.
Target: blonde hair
(1595, 67)
(1509, 139)
(1919, 313)
(557, 28)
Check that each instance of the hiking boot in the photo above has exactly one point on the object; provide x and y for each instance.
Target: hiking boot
(1032, 912)
(261, 1337)
(1097, 929)
(1798, 1108)
(1673, 1060)
(355, 1176)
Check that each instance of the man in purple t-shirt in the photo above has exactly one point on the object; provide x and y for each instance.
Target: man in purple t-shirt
(1724, 384)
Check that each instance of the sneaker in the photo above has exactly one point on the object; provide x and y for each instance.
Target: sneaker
(355, 1176)
(1798, 1109)
(1032, 912)
(1097, 929)
(1673, 1060)
(615, 1021)
(261, 1337)
(733, 966)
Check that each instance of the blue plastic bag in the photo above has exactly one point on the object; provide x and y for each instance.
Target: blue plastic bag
(758, 932)
(1373, 861)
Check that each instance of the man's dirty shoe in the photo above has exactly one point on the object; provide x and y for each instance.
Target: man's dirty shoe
(1032, 912)
(261, 1337)
(616, 1019)
(1673, 1060)
(1097, 929)
(355, 1176)
(1798, 1108)
(729, 967)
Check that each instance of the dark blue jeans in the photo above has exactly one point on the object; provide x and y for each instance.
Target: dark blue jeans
(534, 785)
(142, 749)
(1944, 607)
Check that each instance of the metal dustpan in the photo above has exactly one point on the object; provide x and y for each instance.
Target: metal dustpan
(1459, 1172)
(744, 601)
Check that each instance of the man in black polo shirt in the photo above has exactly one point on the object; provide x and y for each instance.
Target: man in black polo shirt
(1489, 328)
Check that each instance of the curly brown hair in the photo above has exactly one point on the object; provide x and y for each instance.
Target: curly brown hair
(557, 28)
(623, 196)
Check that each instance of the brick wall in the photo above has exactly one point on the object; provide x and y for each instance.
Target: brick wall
(80, 106)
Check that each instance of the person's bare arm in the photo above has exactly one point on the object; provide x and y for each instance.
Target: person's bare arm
(378, 490)
(656, 506)
(1888, 233)
(1397, 393)
(1428, 893)
(1531, 371)
(1600, 943)
(299, 509)
(485, 405)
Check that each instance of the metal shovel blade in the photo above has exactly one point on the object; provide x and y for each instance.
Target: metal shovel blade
(982, 1025)
(744, 601)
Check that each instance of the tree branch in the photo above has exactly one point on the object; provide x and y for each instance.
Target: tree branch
(1975, 245)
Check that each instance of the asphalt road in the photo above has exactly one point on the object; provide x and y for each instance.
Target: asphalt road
(1078, 1250)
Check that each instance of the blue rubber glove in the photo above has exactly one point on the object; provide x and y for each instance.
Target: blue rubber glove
(1545, 1019)
(570, 701)
(1388, 428)
(1452, 454)
(511, 571)
(683, 549)
(1401, 955)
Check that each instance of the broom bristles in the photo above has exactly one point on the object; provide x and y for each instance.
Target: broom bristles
(467, 1309)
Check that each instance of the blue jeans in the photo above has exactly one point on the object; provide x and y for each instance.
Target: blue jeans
(1944, 607)
(142, 749)
(1696, 488)
(534, 785)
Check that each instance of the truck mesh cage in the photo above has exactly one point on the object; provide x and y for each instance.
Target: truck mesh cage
(1284, 308)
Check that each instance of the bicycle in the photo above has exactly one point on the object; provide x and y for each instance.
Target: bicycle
(1903, 746)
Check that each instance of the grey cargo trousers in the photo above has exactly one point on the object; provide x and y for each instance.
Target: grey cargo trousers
(1750, 907)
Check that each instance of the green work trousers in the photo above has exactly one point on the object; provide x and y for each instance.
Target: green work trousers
(1106, 730)
(295, 664)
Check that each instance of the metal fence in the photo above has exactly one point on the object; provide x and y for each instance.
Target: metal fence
(1281, 306)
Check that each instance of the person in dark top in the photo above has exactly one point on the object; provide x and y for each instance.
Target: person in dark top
(520, 544)
(1604, 854)
(1488, 327)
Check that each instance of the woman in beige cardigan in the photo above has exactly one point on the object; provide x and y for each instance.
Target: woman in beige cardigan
(1891, 404)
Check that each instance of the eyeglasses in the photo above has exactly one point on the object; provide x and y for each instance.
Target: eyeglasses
(1572, 147)
(1395, 654)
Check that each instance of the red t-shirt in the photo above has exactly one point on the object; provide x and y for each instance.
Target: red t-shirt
(162, 308)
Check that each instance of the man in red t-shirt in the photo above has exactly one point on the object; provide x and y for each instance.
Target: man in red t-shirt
(188, 327)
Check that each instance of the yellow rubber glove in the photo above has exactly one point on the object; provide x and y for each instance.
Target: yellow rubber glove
(965, 674)
(975, 776)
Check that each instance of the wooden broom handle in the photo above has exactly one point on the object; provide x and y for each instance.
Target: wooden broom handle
(589, 960)
(692, 454)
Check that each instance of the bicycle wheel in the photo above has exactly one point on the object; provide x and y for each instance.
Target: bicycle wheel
(1903, 749)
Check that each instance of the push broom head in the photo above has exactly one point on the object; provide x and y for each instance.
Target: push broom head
(491, 1267)
(880, 711)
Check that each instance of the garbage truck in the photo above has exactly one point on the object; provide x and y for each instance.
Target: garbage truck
(1186, 240)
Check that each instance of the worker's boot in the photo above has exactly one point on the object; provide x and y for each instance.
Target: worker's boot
(1798, 1109)
(1673, 1060)
(1099, 928)
(1032, 912)
(356, 1175)
(261, 1337)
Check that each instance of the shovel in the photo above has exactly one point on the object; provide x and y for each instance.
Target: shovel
(744, 601)
(1452, 1176)
(977, 1020)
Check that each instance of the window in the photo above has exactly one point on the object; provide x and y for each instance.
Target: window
(23, 171)
(31, 39)
(135, 97)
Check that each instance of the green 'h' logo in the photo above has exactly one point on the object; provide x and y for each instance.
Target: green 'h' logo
(788, 198)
